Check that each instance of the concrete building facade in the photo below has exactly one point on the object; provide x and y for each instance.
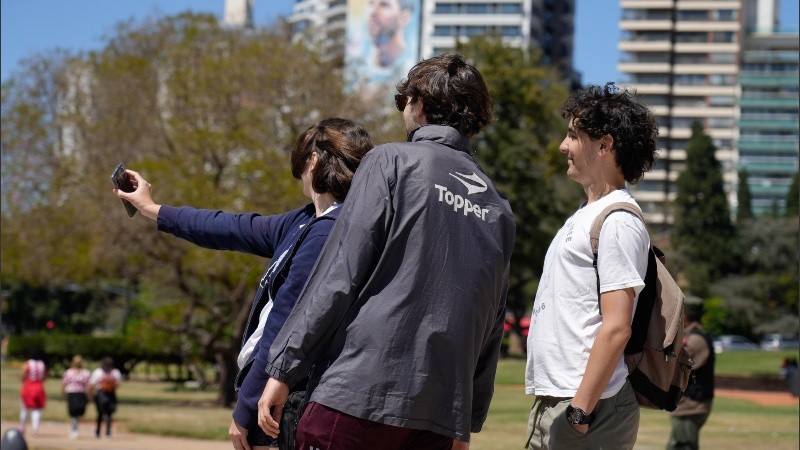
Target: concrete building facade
(769, 107)
(682, 58)
(547, 25)
(707, 61)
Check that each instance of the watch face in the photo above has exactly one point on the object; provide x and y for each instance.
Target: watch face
(575, 416)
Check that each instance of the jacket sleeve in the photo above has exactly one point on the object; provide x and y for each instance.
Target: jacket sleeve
(485, 370)
(218, 230)
(300, 266)
(340, 274)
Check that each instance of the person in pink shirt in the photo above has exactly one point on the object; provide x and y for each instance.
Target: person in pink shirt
(74, 385)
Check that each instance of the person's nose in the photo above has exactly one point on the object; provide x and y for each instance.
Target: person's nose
(564, 146)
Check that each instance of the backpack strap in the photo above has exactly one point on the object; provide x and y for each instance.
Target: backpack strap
(597, 225)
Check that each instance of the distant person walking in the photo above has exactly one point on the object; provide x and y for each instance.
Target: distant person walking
(75, 384)
(32, 394)
(103, 386)
(695, 404)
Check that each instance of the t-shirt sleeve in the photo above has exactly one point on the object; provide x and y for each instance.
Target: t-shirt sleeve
(622, 253)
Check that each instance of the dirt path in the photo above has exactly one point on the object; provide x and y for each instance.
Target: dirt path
(765, 398)
(53, 435)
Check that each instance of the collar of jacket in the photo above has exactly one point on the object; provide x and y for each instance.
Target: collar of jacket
(442, 134)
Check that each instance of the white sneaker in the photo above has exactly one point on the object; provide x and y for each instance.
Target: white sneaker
(73, 435)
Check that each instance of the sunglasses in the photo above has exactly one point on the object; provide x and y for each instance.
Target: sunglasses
(400, 101)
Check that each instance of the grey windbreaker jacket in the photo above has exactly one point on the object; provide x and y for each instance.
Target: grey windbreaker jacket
(408, 292)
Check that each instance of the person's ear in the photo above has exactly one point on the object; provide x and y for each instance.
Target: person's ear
(606, 143)
(419, 109)
(312, 161)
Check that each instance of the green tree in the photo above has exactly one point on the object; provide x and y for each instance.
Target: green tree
(206, 113)
(745, 209)
(793, 197)
(520, 154)
(703, 232)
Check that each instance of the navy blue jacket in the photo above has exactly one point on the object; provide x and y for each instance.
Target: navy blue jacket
(271, 237)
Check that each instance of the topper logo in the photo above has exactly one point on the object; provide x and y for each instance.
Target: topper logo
(477, 184)
(460, 203)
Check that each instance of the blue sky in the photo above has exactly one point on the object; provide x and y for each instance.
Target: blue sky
(28, 27)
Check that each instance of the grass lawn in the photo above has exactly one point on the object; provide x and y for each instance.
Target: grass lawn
(160, 408)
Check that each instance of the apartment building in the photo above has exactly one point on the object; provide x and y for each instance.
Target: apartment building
(547, 25)
(769, 121)
(682, 56)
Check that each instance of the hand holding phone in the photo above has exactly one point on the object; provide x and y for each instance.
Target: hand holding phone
(121, 181)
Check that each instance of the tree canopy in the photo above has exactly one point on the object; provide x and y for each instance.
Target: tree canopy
(208, 115)
(703, 232)
(520, 154)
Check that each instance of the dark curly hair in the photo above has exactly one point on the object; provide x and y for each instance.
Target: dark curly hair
(607, 110)
(339, 144)
(453, 93)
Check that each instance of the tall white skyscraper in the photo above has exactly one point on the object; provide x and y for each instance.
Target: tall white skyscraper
(682, 58)
(725, 64)
(239, 13)
(769, 108)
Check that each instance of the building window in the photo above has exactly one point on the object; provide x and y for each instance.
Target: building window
(650, 78)
(690, 102)
(510, 31)
(654, 100)
(477, 8)
(723, 15)
(694, 36)
(722, 80)
(690, 79)
(693, 15)
(446, 8)
(721, 122)
(722, 58)
(509, 8)
(444, 30)
(474, 30)
(723, 36)
(721, 100)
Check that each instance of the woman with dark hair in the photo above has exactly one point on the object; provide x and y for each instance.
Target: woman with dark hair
(103, 386)
(324, 158)
(33, 397)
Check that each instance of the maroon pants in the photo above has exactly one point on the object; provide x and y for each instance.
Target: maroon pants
(323, 428)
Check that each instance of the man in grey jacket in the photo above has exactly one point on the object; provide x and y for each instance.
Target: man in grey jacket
(406, 302)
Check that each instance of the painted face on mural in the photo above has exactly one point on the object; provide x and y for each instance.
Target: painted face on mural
(387, 19)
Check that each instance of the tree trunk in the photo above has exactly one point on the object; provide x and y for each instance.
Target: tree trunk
(227, 375)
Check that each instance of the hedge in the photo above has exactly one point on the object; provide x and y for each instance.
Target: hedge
(58, 348)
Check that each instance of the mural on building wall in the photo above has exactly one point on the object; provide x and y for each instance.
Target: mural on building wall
(382, 43)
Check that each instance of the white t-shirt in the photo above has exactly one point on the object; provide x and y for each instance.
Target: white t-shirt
(566, 315)
(99, 375)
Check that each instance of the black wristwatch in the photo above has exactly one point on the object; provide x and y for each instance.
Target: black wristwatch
(577, 416)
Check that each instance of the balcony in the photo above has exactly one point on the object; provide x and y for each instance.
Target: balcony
(769, 124)
(790, 147)
(776, 103)
(761, 80)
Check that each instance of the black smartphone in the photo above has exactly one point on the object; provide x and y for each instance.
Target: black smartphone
(121, 181)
